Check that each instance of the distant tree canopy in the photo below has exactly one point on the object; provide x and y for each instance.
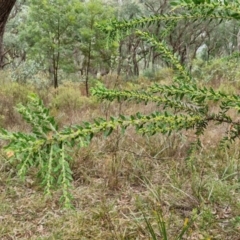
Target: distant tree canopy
(6, 7)
(62, 39)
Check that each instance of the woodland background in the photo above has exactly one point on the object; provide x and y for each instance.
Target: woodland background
(124, 186)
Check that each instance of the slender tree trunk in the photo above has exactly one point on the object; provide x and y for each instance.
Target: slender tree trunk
(135, 64)
(5, 9)
(88, 68)
(88, 61)
(119, 67)
(55, 76)
(238, 40)
(56, 58)
(1, 49)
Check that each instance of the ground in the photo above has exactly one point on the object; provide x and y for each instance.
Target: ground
(124, 184)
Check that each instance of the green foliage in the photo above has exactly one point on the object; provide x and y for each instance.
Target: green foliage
(95, 12)
(162, 230)
(182, 106)
(30, 151)
(51, 34)
(69, 97)
(217, 70)
(49, 27)
(166, 54)
(30, 72)
(62, 35)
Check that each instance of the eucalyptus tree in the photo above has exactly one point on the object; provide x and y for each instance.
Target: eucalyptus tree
(129, 57)
(92, 42)
(50, 32)
(5, 10)
(222, 40)
(61, 35)
(184, 36)
(14, 47)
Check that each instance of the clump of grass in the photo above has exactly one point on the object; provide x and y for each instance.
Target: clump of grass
(116, 178)
(162, 230)
(12, 93)
(68, 97)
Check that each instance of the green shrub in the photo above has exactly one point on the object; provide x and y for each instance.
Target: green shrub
(68, 98)
(159, 74)
(216, 71)
(11, 94)
(164, 75)
(185, 106)
(149, 73)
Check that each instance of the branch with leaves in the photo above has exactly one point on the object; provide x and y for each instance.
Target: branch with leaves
(182, 106)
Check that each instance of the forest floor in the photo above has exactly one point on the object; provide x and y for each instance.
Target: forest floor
(123, 183)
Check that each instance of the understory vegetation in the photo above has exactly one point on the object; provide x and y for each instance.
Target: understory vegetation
(154, 156)
(124, 183)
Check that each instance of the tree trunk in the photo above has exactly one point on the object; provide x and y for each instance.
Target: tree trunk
(238, 40)
(88, 68)
(55, 62)
(5, 9)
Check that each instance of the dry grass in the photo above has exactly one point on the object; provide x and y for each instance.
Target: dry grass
(119, 179)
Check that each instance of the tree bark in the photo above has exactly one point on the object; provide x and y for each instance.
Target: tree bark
(5, 9)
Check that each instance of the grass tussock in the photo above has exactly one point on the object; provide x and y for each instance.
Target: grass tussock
(11, 93)
(125, 186)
